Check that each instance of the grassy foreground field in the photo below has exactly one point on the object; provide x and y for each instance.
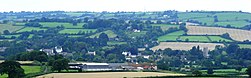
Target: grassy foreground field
(27, 70)
(108, 75)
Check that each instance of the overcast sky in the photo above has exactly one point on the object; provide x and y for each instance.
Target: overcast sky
(124, 5)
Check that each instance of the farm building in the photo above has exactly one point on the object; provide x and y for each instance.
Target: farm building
(110, 66)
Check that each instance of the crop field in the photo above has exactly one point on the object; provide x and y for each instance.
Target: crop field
(245, 45)
(110, 34)
(75, 31)
(66, 25)
(184, 45)
(235, 34)
(237, 24)
(27, 70)
(171, 36)
(108, 75)
(218, 38)
(9, 27)
(195, 38)
(29, 29)
(165, 26)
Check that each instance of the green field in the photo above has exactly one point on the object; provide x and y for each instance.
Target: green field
(9, 27)
(110, 34)
(185, 16)
(233, 23)
(207, 20)
(76, 31)
(195, 38)
(27, 70)
(66, 25)
(135, 34)
(165, 26)
(171, 36)
(74, 14)
(218, 38)
(245, 45)
(233, 16)
(29, 29)
(225, 71)
(115, 43)
(75, 36)
(9, 36)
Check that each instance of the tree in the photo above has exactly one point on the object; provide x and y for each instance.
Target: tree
(197, 73)
(216, 19)
(60, 64)
(249, 71)
(210, 71)
(226, 35)
(6, 32)
(12, 68)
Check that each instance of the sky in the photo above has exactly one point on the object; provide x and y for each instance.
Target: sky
(124, 5)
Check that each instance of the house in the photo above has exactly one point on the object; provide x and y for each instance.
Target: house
(48, 51)
(127, 53)
(136, 30)
(2, 49)
(91, 53)
(29, 50)
(146, 56)
(58, 49)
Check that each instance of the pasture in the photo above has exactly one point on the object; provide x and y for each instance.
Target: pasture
(27, 70)
(110, 34)
(66, 25)
(171, 36)
(225, 71)
(76, 31)
(74, 14)
(235, 34)
(10, 36)
(195, 38)
(190, 15)
(165, 26)
(219, 39)
(184, 45)
(135, 34)
(9, 27)
(237, 24)
(108, 75)
(29, 29)
(245, 46)
(115, 43)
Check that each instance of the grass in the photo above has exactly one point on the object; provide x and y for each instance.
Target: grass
(110, 34)
(75, 36)
(76, 31)
(9, 36)
(9, 27)
(165, 26)
(225, 71)
(135, 34)
(218, 38)
(66, 25)
(27, 70)
(171, 36)
(195, 38)
(74, 14)
(233, 16)
(185, 16)
(207, 20)
(29, 29)
(237, 24)
(245, 45)
(115, 43)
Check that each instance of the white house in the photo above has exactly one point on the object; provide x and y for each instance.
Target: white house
(91, 53)
(58, 49)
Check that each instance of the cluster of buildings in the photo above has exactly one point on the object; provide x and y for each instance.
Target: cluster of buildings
(110, 66)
